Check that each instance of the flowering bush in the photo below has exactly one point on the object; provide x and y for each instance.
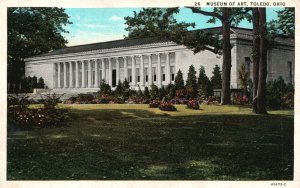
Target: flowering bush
(180, 93)
(19, 114)
(179, 101)
(137, 100)
(166, 106)
(50, 100)
(193, 104)
(211, 100)
(154, 104)
(31, 118)
(240, 100)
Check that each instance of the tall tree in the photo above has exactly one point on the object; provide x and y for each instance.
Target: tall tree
(32, 31)
(285, 25)
(204, 84)
(191, 81)
(262, 76)
(255, 56)
(149, 23)
(153, 22)
(216, 79)
(179, 83)
(228, 17)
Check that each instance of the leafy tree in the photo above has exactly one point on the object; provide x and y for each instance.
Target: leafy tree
(191, 81)
(170, 91)
(119, 89)
(216, 79)
(285, 25)
(41, 83)
(32, 31)
(139, 92)
(104, 88)
(179, 83)
(204, 84)
(154, 92)
(228, 17)
(147, 23)
(154, 22)
(243, 78)
(162, 92)
(146, 93)
(34, 82)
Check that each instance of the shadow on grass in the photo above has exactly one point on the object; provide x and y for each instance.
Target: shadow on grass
(140, 144)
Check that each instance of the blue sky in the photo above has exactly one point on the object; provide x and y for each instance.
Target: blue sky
(92, 25)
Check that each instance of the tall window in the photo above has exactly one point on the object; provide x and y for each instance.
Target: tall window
(137, 72)
(290, 71)
(163, 74)
(154, 73)
(172, 68)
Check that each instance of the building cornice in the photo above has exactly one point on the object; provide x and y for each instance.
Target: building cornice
(104, 51)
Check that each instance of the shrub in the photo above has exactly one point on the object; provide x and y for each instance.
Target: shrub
(210, 100)
(105, 88)
(277, 93)
(85, 98)
(166, 106)
(70, 100)
(154, 92)
(193, 104)
(179, 101)
(154, 104)
(137, 100)
(180, 93)
(19, 100)
(240, 99)
(288, 100)
(36, 118)
(50, 100)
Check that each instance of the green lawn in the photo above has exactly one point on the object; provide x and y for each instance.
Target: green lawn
(135, 142)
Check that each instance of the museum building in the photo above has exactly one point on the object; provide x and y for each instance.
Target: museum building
(143, 61)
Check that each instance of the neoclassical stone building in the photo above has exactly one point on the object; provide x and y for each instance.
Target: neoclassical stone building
(144, 61)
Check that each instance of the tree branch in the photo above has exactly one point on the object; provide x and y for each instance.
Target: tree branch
(206, 13)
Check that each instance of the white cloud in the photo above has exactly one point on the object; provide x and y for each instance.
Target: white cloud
(116, 18)
(91, 26)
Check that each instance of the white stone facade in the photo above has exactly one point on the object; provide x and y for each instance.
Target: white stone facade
(82, 71)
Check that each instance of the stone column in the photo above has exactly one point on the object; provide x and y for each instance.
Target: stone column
(76, 74)
(142, 80)
(82, 74)
(103, 69)
(109, 72)
(158, 70)
(71, 74)
(90, 73)
(96, 74)
(65, 74)
(117, 70)
(58, 75)
(133, 71)
(125, 68)
(149, 70)
(168, 76)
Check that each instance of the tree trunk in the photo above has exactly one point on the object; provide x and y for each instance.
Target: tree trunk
(255, 56)
(226, 67)
(261, 89)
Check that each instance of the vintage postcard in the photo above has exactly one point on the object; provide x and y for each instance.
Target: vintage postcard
(155, 94)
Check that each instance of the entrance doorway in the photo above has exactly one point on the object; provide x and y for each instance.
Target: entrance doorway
(114, 79)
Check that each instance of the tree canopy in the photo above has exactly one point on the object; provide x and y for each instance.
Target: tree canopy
(32, 31)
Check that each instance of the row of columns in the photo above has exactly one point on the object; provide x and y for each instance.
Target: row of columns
(103, 72)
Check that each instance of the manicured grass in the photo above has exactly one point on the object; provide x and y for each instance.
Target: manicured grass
(136, 142)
